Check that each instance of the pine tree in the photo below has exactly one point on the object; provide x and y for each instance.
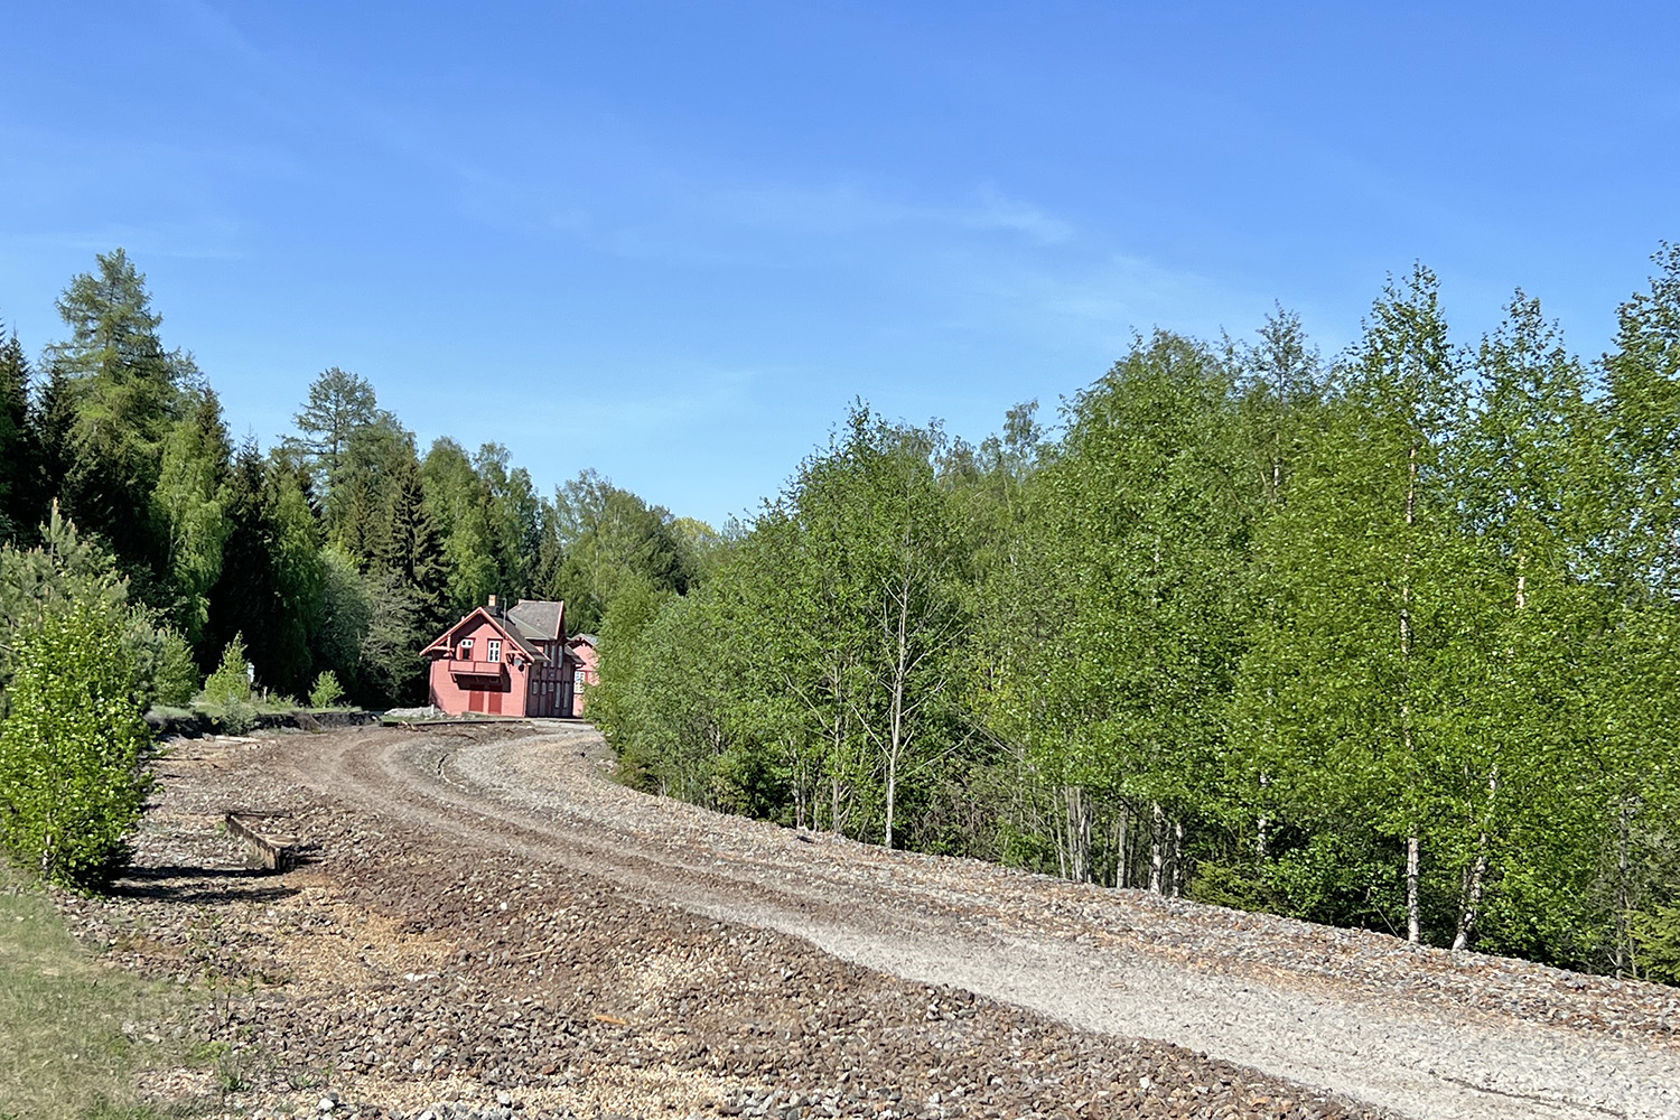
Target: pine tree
(460, 504)
(340, 404)
(358, 503)
(125, 394)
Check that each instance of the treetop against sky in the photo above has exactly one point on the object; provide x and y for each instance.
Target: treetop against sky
(672, 241)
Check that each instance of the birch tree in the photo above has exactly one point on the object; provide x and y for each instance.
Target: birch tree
(1359, 550)
(1635, 746)
(1524, 487)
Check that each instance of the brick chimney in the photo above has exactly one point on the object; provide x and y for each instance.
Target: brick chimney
(492, 604)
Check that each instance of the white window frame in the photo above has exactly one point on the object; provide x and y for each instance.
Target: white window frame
(466, 649)
(493, 650)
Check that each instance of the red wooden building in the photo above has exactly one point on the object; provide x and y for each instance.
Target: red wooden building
(512, 663)
(588, 670)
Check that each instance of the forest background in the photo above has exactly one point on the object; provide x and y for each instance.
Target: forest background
(1383, 640)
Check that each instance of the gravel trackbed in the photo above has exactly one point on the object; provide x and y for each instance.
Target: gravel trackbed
(484, 925)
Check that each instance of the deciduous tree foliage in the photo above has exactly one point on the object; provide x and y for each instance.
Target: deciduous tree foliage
(325, 564)
(1386, 638)
(1385, 641)
(72, 781)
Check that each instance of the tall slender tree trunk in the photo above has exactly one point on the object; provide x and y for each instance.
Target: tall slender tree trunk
(837, 739)
(1624, 894)
(1178, 859)
(1408, 742)
(1157, 845)
(892, 793)
(1263, 827)
(1475, 877)
(801, 795)
(1076, 830)
(1413, 911)
(1122, 847)
(900, 681)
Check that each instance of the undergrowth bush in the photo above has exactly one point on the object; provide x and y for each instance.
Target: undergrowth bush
(1656, 938)
(327, 692)
(227, 690)
(72, 775)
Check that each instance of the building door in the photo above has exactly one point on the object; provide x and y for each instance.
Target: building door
(496, 700)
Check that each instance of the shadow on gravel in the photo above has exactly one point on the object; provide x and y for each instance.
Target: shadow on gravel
(200, 884)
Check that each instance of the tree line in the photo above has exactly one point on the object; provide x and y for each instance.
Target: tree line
(137, 530)
(1385, 640)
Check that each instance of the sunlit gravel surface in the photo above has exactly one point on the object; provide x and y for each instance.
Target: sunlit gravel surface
(484, 926)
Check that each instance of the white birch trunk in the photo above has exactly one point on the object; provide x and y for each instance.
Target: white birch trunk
(1413, 916)
(1157, 842)
(1122, 848)
(1413, 842)
(900, 681)
(1076, 830)
(1475, 877)
(1624, 898)
(1178, 859)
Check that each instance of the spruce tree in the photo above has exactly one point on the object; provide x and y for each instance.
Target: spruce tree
(52, 421)
(270, 572)
(411, 549)
(189, 503)
(17, 450)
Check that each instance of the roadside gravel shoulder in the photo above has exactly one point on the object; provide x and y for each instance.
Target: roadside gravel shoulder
(565, 773)
(481, 920)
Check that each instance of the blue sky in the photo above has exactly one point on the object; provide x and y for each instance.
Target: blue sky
(674, 241)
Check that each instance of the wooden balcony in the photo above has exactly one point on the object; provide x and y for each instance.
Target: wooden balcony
(458, 668)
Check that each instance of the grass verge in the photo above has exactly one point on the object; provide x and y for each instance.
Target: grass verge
(74, 1036)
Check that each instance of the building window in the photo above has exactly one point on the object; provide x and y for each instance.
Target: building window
(466, 649)
(493, 649)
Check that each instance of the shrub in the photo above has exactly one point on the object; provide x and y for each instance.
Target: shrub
(227, 690)
(327, 692)
(72, 776)
(231, 681)
(69, 568)
(166, 663)
(1656, 938)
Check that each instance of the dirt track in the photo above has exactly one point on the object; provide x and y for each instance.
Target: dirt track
(658, 957)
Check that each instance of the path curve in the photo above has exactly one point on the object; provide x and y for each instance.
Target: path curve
(1082, 955)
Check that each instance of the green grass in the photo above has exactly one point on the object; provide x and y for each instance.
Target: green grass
(63, 1051)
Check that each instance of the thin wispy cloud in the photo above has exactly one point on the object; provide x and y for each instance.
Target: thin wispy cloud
(844, 209)
(208, 240)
